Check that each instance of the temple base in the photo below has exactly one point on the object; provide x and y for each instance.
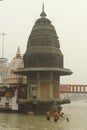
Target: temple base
(40, 107)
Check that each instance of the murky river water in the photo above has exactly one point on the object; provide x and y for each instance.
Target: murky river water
(76, 111)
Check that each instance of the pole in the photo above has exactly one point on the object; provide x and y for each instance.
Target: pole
(2, 58)
(3, 34)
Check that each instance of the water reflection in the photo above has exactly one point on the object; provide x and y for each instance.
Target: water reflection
(76, 112)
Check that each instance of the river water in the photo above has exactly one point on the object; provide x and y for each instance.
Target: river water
(76, 111)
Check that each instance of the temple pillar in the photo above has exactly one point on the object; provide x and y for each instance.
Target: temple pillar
(38, 85)
(28, 87)
(51, 85)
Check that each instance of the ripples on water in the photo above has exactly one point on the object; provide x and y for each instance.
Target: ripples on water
(76, 111)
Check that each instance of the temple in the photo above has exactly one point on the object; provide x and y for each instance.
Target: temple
(43, 66)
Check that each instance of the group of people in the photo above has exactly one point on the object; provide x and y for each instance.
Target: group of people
(56, 116)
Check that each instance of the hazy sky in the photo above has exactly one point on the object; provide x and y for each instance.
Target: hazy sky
(69, 17)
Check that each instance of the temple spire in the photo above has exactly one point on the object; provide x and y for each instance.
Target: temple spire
(18, 52)
(43, 7)
(43, 14)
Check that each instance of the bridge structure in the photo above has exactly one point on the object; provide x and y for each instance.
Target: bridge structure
(73, 91)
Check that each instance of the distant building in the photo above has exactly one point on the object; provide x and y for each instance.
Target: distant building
(13, 86)
(73, 90)
(13, 79)
(3, 70)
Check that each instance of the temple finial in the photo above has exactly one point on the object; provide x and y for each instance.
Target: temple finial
(43, 14)
(43, 7)
(18, 52)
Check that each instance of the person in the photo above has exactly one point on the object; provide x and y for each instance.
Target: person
(62, 115)
(56, 116)
(48, 115)
(16, 92)
(7, 94)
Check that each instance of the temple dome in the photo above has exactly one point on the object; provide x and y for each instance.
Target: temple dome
(16, 63)
(43, 47)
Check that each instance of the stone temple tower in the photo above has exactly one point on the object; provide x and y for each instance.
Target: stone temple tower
(43, 66)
